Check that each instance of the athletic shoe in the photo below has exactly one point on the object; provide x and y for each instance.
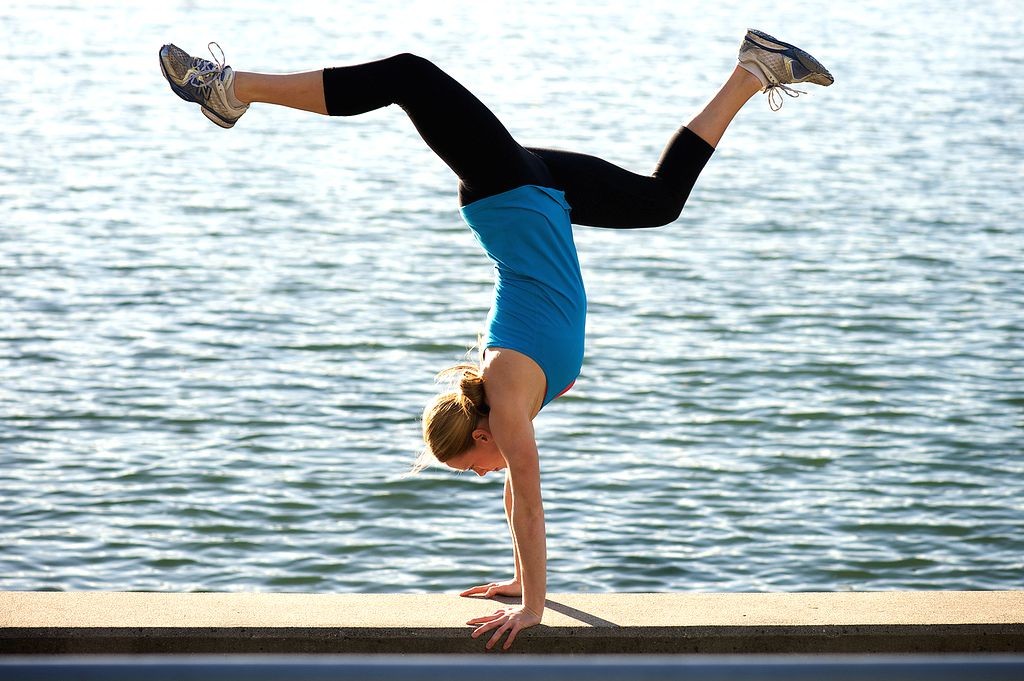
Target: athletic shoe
(777, 64)
(210, 84)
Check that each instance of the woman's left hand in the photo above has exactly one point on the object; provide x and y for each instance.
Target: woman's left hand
(511, 620)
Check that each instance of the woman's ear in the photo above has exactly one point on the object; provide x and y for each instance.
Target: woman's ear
(482, 435)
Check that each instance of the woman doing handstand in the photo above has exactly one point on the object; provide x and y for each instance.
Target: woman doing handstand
(520, 203)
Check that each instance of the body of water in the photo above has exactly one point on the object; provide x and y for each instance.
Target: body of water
(215, 345)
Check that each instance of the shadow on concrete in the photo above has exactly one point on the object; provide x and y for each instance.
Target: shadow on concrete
(584, 617)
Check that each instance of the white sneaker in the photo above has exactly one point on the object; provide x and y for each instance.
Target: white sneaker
(777, 64)
(210, 84)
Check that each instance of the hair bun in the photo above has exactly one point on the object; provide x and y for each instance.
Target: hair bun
(468, 382)
(471, 385)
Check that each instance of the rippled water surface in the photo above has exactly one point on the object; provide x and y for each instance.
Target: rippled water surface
(216, 344)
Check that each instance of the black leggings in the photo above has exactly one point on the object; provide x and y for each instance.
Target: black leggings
(487, 161)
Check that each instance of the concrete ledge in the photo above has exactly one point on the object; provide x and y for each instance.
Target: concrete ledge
(878, 623)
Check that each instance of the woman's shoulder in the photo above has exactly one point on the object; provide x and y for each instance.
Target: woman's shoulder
(513, 381)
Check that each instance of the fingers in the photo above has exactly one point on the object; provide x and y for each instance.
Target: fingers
(510, 587)
(488, 622)
(501, 626)
(498, 634)
(472, 591)
(486, 619)
(492, 590)
(512, 627)
(501, 623)
(511, 637)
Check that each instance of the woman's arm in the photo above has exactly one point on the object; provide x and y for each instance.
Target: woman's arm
(511, 587)
(518, 574)
(515, 391)
(519, 448)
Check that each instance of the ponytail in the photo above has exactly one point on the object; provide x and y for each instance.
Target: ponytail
(451, 417)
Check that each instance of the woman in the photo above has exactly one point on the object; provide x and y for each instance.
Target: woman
(520, 203)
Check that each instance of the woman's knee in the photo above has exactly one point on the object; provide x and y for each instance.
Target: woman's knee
(663, 206)
(670, 211)
(414, 65)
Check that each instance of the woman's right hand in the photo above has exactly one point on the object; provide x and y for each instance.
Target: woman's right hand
(511, 587)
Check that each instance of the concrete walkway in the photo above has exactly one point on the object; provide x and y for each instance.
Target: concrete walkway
(883, 622)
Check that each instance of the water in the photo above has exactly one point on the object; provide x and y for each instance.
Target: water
(216, 345)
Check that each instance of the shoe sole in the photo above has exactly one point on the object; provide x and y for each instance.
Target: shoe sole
(184, 94)
(213, 116)
(808, 62)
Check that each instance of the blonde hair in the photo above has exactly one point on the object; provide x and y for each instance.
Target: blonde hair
(451, 417)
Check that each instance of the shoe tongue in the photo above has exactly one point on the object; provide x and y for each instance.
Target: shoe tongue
(799, 70)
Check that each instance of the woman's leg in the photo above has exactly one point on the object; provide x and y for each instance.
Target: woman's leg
(604, 195)
(295, 90)
(711, 123)
(452, 121)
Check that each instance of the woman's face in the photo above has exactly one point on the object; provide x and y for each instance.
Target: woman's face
(483, 457)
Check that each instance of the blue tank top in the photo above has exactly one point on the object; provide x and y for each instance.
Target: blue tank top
(540, 306)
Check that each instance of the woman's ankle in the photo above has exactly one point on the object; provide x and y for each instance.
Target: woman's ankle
(241, 87)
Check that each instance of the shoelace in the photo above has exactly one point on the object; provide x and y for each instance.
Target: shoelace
(204, 72)
(775, 99)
